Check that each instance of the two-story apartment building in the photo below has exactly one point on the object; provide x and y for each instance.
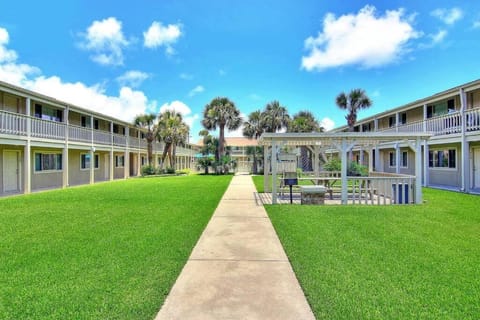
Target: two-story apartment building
(46, 143)
(451, 157)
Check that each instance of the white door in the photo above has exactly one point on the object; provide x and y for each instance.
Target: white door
(11, 172)
(476, 167)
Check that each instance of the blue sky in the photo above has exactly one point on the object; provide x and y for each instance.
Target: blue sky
(125, 58)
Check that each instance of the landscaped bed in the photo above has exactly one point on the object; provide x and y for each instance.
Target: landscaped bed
(107, 251)
(386, 262)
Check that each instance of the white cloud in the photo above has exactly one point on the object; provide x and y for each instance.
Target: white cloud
(476, 24)
(365, 39)
(158, 35)
(254, 96)
(448, 16)
(6, 55)
(186, 76)
(196, 90)
(106, 40)
(327, 124)
(222, 72)
(125, 106)
(133, 78)
(439, 36)
(183, 109)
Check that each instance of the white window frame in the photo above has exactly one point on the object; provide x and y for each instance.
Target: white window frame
(46, 152)
(443, 168)
(95, 156)
(117, 157)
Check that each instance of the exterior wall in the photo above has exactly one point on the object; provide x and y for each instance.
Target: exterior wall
(12, 103)
(385, 161)
(4, 168)
(45, 179)
(77, 176)
(473, 99)
(446, 176)
(415, 115)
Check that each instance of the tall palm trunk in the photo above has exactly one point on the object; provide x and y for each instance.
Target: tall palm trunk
(221, 147)
(164, 154)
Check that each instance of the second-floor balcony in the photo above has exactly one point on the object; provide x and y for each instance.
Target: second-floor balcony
(18, 125)
(442, 125)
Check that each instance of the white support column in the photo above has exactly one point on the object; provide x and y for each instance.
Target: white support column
(343, 152)
(465, 145)
(274, 171)
(316, 160)
(65, 150)
(378, 166)
(266, 167)
(370, 160)
(418, 172)
(92, 153)
(126, 165)
(361, 156)
(112, 173)
(426, 154)
(424, 123)
(375, 125)
(27, 158)
(397, 158)
(92, 164)
(139, 163)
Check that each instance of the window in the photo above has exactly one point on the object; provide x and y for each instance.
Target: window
(119, 161)
(48, 162)
(85, 121)
(47, 113)
(441, 108)
(391, 121)
(85, 161)
(367, 127)
(95, 124)
(393, 160)
(144, 160)
(403, 118)
(442, 158)
(403, 159)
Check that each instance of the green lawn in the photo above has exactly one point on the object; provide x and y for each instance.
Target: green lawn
(107, 251)
(387, 262)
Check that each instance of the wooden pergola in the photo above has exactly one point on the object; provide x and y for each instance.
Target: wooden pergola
(341, 142)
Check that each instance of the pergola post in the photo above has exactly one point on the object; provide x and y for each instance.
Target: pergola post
(266, 167)
(316, 160)
(343, 171)
(274, 172)
(397, 158)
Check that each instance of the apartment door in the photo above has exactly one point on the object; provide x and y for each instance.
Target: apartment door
(11, 171)
(476, 167)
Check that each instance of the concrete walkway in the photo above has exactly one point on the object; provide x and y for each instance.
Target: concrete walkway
(238, 269)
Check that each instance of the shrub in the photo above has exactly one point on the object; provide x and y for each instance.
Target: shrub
(356, 169)
(148, 170)
(183, 171)
(333, 164)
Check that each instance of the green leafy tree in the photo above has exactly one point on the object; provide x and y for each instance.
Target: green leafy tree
(221, 113)
(148, 122)
(353, 102)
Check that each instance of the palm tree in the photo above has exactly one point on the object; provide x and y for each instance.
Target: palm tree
(275, 116)
(253, 129)
(221, 113)
(172, 130)
(304, 121)
(356, 100)
(147, 122)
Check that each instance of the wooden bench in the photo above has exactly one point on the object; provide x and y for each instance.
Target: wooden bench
(312, 194)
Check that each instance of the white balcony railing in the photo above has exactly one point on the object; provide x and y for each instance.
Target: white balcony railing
(79, 134)
(119, 140)
(48, 129)
(12, 123)
(441, 125)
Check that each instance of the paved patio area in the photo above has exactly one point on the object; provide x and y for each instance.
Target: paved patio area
(238, 269)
